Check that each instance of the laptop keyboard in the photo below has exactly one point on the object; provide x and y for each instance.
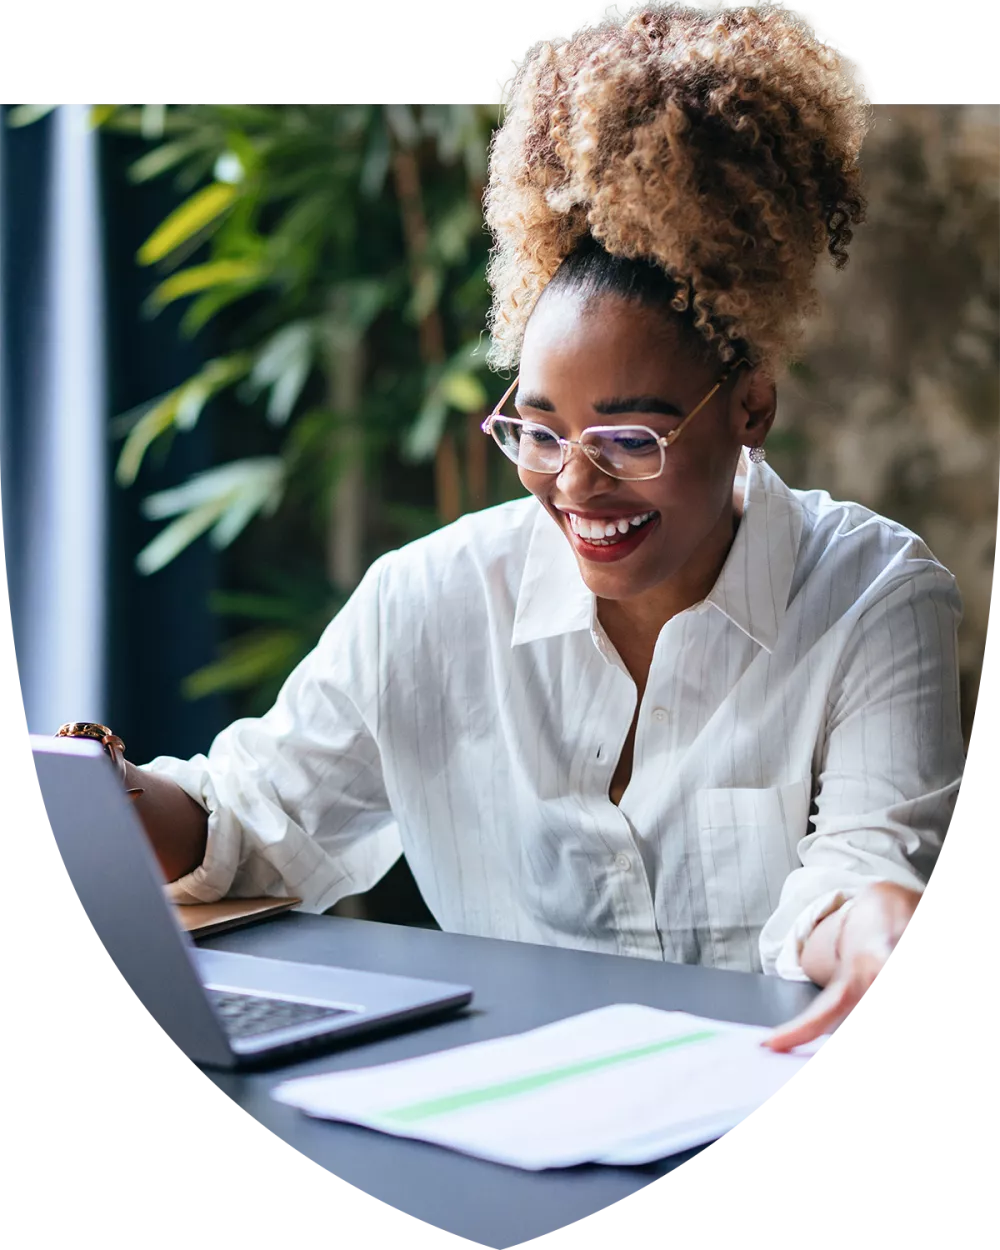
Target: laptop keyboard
(250, 1015)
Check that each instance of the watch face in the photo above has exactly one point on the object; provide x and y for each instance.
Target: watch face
(84, 729)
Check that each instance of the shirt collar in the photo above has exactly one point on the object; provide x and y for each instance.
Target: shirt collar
(752, 589)
(553, 598)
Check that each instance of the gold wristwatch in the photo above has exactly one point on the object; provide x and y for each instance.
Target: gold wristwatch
(111, 743)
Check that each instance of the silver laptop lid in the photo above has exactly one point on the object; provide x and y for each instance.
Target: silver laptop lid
(115, 873)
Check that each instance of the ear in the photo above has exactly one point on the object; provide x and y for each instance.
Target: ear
(754, 404)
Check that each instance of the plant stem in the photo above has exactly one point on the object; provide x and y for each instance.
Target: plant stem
(475, 461)
(406, 177)
(476, 446)
(345, 532)
(345, 535)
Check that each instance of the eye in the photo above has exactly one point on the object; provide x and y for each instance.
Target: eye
(635, 441)
(539, 436)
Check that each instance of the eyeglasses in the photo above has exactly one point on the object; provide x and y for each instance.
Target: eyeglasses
(632, 453)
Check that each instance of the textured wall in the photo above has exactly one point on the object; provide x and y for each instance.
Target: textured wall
(895, 402)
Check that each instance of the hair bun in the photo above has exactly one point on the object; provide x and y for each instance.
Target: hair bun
(722, 145)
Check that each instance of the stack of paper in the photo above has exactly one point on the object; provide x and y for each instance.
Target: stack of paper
(621, 1085)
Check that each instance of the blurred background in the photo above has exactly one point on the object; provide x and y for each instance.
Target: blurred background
(242, 355)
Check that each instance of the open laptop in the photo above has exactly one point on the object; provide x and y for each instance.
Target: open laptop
(222, 1009)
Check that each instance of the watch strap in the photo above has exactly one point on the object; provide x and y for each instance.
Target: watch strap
(111, 742)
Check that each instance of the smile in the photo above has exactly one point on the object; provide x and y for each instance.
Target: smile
(609, 538)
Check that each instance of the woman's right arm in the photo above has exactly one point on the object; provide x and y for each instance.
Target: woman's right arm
(291, 803)
(176, 825)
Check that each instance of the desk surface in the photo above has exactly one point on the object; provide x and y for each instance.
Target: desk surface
(517, 987)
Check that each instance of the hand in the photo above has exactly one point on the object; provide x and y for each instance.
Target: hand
(851, 947)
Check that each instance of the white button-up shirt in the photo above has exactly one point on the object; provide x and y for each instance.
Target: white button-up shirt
(798, 739)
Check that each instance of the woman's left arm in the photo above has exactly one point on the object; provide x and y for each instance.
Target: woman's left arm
(844, 953)
(891, 762)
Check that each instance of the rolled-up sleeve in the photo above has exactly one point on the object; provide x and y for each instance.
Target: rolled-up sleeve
(296, 800)
(889, 764)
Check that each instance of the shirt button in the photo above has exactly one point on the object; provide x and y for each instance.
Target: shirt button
(659, 713)
(623, 862)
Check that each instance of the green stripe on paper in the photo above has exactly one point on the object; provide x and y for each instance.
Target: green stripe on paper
(538, 1080)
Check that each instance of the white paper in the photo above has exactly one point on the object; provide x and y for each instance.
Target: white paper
(624, 1084)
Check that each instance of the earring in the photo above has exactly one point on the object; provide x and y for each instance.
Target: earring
(758, 455)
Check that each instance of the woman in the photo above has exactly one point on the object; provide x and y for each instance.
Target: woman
(664, 706)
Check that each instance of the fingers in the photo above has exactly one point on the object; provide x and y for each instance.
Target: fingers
(839, 998)
(826, 1010)
(867, 936)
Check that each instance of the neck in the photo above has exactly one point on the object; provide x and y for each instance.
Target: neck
(643, 616)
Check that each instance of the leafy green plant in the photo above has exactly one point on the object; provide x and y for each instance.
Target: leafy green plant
(339, 252)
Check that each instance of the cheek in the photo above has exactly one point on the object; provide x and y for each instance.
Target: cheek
(699, 478)
(688, 505)
(537, 483)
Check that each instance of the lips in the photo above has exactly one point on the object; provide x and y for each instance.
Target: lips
(613, 547)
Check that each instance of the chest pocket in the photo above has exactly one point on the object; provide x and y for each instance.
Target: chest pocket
(747, 841)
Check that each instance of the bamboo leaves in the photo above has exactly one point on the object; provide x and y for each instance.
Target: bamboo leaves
(166, 157)
(402, 124)
(194, 394)
(157, 418)
(289, 621)
(464, 391)
(221, 501)
(282, 367)
(357, 231)
(238, 276)
(456, 387)
(180, 407)
(197, 213)
(28, 114)
(375, 165)
(260, 655)
(454, 232)
(422, 439)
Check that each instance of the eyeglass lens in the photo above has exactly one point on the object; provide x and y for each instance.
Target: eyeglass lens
(628, 452)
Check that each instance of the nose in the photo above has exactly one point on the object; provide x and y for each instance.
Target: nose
(580, 479)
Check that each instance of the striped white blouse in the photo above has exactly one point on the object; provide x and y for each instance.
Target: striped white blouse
(798, 738)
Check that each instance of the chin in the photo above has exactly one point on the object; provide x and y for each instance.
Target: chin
(612, 583)
(613, 591)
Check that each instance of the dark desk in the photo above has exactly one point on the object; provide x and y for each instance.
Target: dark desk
(516, 987)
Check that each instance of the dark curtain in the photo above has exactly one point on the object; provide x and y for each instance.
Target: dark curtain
(160, 627)
(157, 629)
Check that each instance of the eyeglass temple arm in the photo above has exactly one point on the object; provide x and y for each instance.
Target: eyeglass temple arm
(669, 438)
(487, 425)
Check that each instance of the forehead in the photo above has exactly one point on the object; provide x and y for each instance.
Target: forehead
(603, 341)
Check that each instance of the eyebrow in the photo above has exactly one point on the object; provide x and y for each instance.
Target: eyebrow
(606, 407)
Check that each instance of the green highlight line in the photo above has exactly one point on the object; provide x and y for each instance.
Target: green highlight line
(538, 1080)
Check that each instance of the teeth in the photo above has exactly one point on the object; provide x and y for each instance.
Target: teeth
(604, 531)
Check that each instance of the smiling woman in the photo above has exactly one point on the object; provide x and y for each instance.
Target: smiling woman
(665, 705)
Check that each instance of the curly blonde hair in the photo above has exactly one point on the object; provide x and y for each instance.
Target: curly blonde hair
(721, 146)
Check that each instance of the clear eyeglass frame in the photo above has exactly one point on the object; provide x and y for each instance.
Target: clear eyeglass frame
(591, 450)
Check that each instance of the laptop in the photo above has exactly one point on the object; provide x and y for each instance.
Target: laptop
(222, 1009)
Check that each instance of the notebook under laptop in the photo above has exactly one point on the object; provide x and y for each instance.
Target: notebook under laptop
(222, 1009)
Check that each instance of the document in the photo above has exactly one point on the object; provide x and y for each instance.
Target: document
(622, 1085)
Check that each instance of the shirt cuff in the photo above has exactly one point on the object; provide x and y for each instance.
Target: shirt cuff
(212, 879)
(788, 963)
